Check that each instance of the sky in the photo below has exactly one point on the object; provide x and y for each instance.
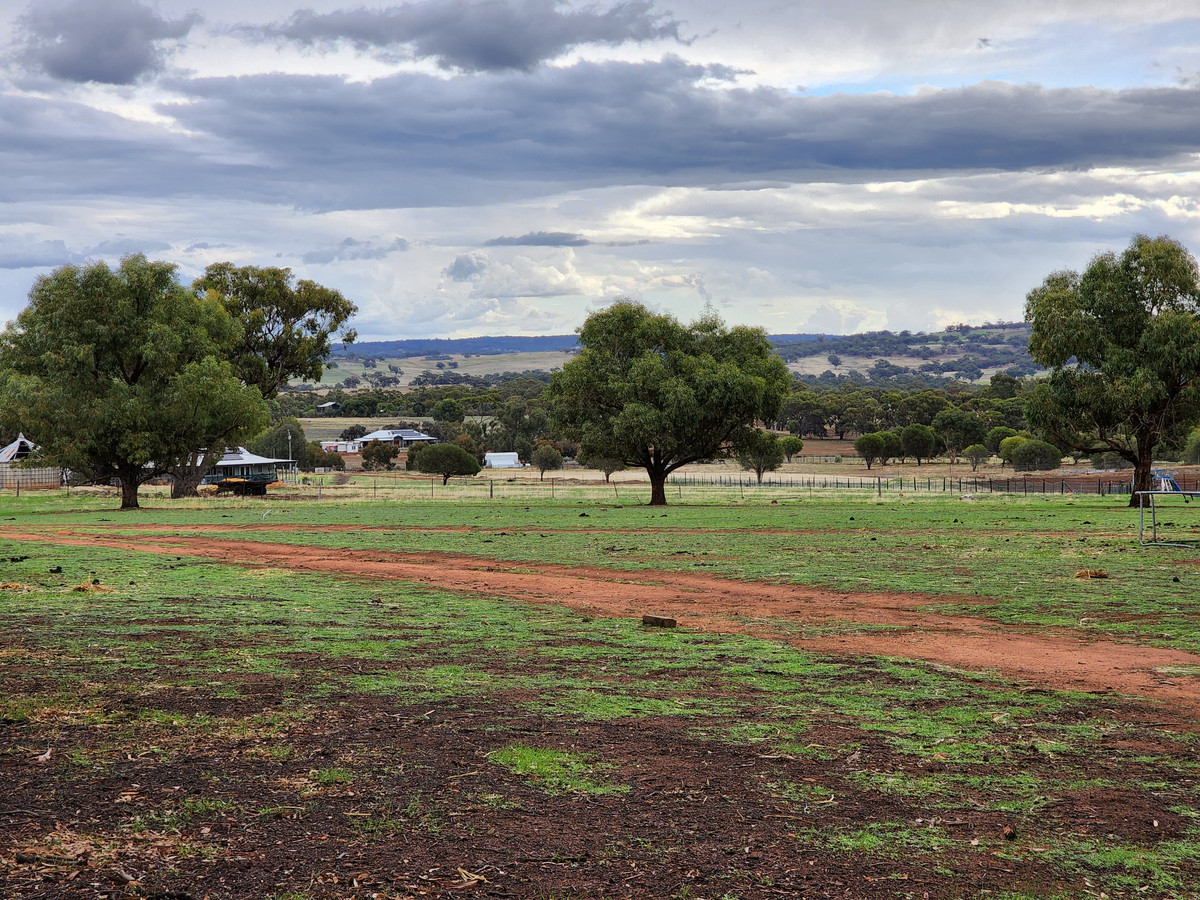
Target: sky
(489, 167)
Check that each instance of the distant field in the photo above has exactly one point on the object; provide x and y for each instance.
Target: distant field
(406, 690)
(490, 364)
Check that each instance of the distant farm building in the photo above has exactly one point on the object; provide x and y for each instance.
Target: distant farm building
(342, 447)
(501, 461)
(17, 476)
(243, 472)
(332, 408)
(401, 437)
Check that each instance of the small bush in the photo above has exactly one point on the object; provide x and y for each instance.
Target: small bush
(1036, 456)
(1109, 460)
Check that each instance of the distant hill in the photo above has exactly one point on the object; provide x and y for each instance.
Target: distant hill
(476, 346)
(960, 353)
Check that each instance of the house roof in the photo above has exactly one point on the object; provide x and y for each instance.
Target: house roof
(390, 434)
(240, 456)
(18, 449)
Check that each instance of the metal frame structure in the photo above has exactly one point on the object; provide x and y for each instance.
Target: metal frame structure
(1153, 505)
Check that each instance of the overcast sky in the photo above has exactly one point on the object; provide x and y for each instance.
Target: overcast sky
(466, 167)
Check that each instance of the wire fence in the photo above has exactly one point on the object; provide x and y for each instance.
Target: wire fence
(681, 487)
(1025, 485)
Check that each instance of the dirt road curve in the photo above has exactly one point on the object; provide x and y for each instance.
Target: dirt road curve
(1048, 658)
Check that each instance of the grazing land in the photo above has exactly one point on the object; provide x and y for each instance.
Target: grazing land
(897, 696)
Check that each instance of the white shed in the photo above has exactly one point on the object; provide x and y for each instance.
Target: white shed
(501, 461)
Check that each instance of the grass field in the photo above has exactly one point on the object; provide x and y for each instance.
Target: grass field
(292, 718)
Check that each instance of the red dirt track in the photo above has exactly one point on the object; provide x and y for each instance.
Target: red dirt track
(1057, 659)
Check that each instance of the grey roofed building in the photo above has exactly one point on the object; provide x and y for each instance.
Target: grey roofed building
(18, 449)
(238, 462)
(401, 437)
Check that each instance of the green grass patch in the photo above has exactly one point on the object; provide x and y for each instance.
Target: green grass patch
(557, 771)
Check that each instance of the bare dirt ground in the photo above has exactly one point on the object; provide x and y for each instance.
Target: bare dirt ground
(169, 807)
(1057, 659)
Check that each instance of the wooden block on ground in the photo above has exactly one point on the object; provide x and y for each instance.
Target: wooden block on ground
(658, 621)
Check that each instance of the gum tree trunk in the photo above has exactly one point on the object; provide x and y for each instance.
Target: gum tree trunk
(129, 492)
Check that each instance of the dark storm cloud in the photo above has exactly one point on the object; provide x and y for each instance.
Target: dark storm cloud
(476, 36)
(110, 41)
(321, 142)
(609, 123)
(541, 239)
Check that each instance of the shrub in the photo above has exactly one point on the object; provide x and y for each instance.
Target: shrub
(870, 447)
(918, 441)
(996, 435)
(892, 448)
(1113, 460)
(446, 460)
(1008, 447)
(1036, 456)
(545, 458)
(1191, 450)
(976, 454)
(377, 455)
(791, 445)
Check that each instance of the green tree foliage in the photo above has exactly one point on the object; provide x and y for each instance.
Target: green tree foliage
(993, 438)
(379, 455)
(870, 447)
(1036, 456)
(318, 457)
(759, 452)
(804, 413)
(287, 325)
(447, 412)
(546, 458)
(918, 441)
(1008, 447)
(958, 429)
(447, 460)
(921, 408)
(352, 433)
(519, 425)
(120, 374)
(791, 445)
(283, 440)
(605, 464)
(1191, 450)
(658, 394)
(1131, 326)
(977, 454)
(893, 448)
(1003, 386)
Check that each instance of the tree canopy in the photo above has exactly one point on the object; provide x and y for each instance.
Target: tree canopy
(287, 325)
(446, 460)
(121, 374)
(759, 452)
(546, 458)
(658, 394)
(1122, 342)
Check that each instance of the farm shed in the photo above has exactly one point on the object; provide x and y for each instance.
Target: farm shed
(328, 409)
(12, 476)
(401, 437)
(342, 447)
(501, 461)
(244, 472)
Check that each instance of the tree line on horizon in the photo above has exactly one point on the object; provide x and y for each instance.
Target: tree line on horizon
(129, 374)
